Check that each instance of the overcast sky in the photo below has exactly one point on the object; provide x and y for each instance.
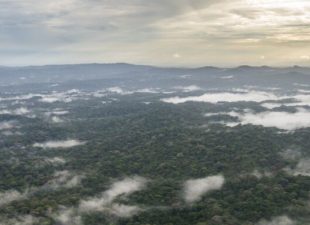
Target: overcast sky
(156, 32)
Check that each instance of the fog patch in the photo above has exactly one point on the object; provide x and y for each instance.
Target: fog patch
(148, 90)
(64, 179)
(118, 90)
(281, 220)
(68, 216)
(250, 96)
(54, 116)
(105, 202)
(59, 144)
(10, 196)
(56, 161)
(302, 168)
(20, 97)
(7, 125)
(227, 77)
(303, 91)
(280, 120)
(20, 111)
(260, 174)
(65, 97)
(56, 119)
(57, 113)
(271, 105)
(291, 154)
(190, 88)
(301, 85)
(23, 220)
(194, 189)
(124, 211)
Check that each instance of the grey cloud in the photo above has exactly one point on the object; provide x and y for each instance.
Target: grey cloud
(35, 32)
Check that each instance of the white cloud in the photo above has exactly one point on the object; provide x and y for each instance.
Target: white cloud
(56, 119)
(66, 97)
(68, 216)
(64, 179)
(194, 189)
(227, 77)
(281, 220)
(21, 220)
(6, 125)
(271, 105)
(259, 174)
(121, 91)
(255, 96)
(56, 160)
(291, 154)
(19, 97)
(281, 120)
(58, 112)
(188, 88)
(304, 91)
(302, 168)
(118, 90)
(59, 144)
(10, 196)
(301, 85)
(19, 111)
(121, 210)
(105, 202)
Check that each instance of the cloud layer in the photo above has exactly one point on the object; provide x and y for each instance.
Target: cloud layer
(161, 32)
(281, 120)
(254, 96)
(194, 189)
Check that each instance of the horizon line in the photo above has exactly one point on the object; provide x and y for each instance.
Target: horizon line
(157, 66)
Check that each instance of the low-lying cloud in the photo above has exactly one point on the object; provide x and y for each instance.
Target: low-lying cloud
(56, 160)
(59, 144)
(302, 168)
(281, 120)
(61, 179)
(281, 220)
(190, 88)
(194, 189)
(7, 125)
(251, 96)
(68, 216)
(105, 202)
(11, 196)
(64, 179)
(19, 111)
(22, 220)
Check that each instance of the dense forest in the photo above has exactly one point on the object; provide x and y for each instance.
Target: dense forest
(134, 158)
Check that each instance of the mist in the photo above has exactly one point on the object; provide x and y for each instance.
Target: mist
(195, 189)
(59, 144)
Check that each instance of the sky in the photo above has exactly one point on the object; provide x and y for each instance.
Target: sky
(187, 33)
